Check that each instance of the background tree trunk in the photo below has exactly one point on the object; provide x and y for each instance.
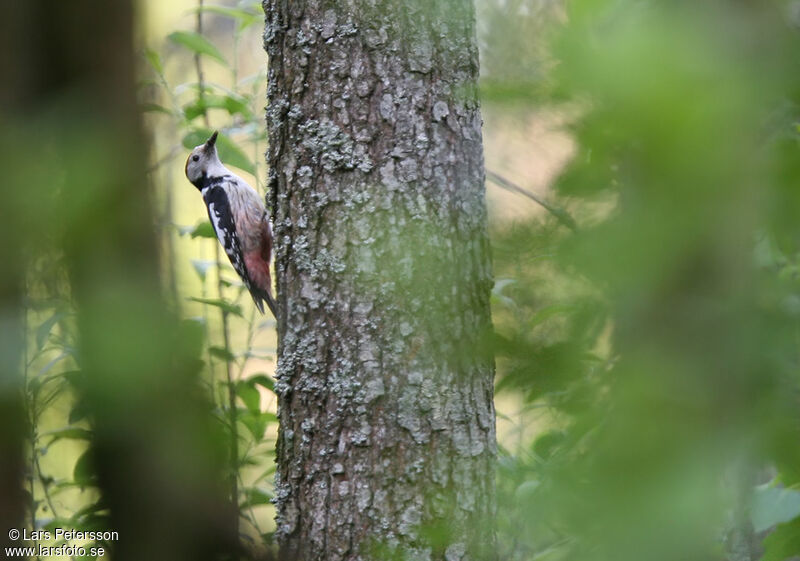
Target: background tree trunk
(77, 190)
(387, 438)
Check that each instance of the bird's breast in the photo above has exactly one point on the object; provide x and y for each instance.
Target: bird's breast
(248, 213)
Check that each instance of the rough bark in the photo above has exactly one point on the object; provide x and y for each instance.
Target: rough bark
(387, 438)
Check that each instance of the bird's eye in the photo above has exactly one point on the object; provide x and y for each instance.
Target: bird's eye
(195, 158)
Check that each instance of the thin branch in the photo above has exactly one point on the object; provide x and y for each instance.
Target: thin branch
(562, 215)
(199, 65)
(231, 393)
(234, 451)
(165, 159)
(249, 338)
(46, 487)
(31, 406)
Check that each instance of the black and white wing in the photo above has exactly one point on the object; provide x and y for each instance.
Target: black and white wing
(221, 216)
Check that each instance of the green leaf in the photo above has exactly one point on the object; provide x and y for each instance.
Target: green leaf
(253, 497)
(203, 229)
(263, 380)
(227, 283)
(247, 392)
(773, 506)
(95, 522)
(256, 423)
(89, 510)
(221, 304)
(75, 378)
(197, 43)
(36, 384)
(83, 473)
(194, 110)
(78, 412)
(193, 335)
(154, 108)
(229, 153)
(244, 18)
(249, 461)
(155, 60)
(232, 104)
(43, 332)
(526, 491)
(497, 291)
(183, 230)
(201, 267)
(57, 523)
(46, 368)
(221, 353)
(783, 542)
(71, 433)
(268, 472)
(548, 312)
(237, 105)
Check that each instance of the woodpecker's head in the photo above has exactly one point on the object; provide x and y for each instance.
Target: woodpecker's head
(204, 162)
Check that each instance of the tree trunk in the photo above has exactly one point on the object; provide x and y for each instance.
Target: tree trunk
(387, 438)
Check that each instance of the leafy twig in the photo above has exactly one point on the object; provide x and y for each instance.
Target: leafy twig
(45, 487)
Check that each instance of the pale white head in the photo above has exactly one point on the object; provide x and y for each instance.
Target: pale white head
(204, 163)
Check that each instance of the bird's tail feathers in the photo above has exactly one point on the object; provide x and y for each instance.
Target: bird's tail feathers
(261, 296)
(273, 306)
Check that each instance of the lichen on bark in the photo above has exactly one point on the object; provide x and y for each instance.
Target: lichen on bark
(387, 439)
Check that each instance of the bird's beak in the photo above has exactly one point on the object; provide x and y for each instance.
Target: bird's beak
(212, 141)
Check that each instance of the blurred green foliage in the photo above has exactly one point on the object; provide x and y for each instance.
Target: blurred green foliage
(661, 339)
(116, 386)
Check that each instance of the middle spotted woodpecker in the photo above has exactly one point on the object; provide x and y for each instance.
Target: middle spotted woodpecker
(239, 219)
